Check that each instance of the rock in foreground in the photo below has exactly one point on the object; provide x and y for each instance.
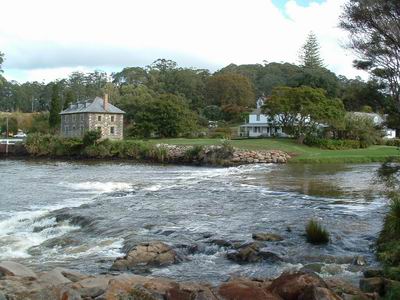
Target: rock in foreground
(146, 254)
(64, 284)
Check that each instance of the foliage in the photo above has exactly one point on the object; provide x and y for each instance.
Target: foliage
(12, 125)
(301, 110)
(232, 92)
(331, 144)
(55, 108)
(220, 133)
(212, 113)
(316, 234)
(91, 137)
(309, 53)
(375, 38)
(166, 116)
(40, 123)
(194, 152)
(362, 129)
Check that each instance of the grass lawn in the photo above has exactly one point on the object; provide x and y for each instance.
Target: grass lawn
(301, 153)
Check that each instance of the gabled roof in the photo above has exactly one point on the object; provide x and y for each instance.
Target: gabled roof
(95, 106)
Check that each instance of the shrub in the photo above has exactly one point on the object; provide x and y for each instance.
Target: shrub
(331, 144)
(221, 133)
(91, 137)
(194, 152)
(393, 142)
(316, 234)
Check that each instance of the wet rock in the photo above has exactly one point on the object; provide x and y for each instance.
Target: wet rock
(145, 254)
(373, 273)
(270, 256)
(242, 289)
(72, 275)
(140, 292)
(267, 237)
(221, 243)
(290, 286)
(359, 261)
(92, 287)
(10, 268)
(247, 253)
(189, 291)
(372, 285)
(66, 293)
(315, 267)
(318, 293)
(53, 278)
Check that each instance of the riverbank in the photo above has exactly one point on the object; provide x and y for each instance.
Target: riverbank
(19, 282)
(300, 153)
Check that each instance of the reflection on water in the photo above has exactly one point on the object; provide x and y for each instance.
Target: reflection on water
(83, 215)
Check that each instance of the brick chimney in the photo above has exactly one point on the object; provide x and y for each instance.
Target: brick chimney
(105, 102)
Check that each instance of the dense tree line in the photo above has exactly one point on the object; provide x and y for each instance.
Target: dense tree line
(164, 91)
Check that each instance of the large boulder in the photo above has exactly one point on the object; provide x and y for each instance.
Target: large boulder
(268, 237)
(244, 289)
(146, 254)
(290, 286)
(318, 293)
(10, 268)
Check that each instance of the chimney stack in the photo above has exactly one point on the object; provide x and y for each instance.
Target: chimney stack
(105, 102)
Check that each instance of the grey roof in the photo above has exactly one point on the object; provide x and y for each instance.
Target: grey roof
(95, 106)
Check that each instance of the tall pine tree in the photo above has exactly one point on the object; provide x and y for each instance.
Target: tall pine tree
(55, 107)
(309, 53)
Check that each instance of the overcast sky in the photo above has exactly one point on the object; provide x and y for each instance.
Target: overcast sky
(48, 39)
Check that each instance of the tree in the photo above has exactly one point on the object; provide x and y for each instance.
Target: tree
(55, 107)
(69, 98)
(301, 110)
(234, 93)
(166, 116)
(309, 53)
(1, 61)
(374, 32)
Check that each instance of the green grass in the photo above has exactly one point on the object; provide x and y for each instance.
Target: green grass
(300, 153)
(316, 234)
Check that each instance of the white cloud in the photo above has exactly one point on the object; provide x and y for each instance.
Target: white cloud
(46, 39)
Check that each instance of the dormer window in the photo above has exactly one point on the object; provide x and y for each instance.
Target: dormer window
(99, 118)
(112, 118)
(258, 117)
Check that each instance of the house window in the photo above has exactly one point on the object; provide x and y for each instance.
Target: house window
(73, 118)
(66, 129)
(258, 117)
(81, 117)
(99, 118)
(73, 128)
(112, 130)
(112, 118)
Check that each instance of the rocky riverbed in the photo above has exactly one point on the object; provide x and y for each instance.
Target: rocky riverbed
(17, 282)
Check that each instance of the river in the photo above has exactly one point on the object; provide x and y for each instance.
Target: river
(82, 215)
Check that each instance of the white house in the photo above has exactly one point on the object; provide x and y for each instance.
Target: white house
(259, 124)
(378, 121)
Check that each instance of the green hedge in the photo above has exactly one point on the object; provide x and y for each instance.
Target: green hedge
(332, 144)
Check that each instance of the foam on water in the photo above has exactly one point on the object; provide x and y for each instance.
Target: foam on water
(17, 233)
(98, 187)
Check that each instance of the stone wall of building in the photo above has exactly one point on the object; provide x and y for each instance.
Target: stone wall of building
(110, 125)
(74, 125)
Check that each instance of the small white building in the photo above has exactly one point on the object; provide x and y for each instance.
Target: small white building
(259, 124)
(378, 120)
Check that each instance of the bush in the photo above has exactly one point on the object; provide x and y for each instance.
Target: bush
(220, 133)
(331, 144)
(91, 137)
(315, 233)
(194, 152)
(393, 142)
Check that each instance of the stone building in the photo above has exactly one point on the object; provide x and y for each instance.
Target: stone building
(97, 114)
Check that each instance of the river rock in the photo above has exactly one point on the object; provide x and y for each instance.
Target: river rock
(290, 286)
(53, 278)
(146, 254)
(267, 237)
(10, 268)
(372, 285)
(92, 287)
(373, 272)
(359, 261)
(244, 289)
(318, 293)
(247, 253)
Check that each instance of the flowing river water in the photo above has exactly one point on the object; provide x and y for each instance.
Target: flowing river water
(83, 215)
